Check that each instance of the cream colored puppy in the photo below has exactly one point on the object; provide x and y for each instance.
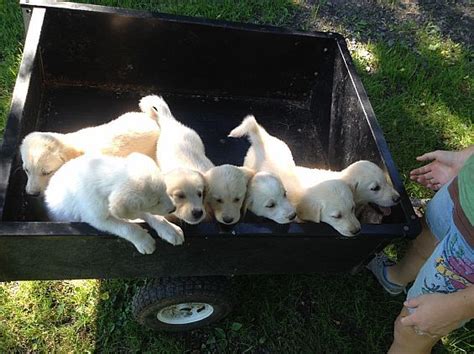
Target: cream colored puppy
(181, 156)
(227, 188)
(367, 180)
(179, 145)
(106, 192)
(43, 153)
(268, 153)
(187, 189)
(331, 202)
(266, 197)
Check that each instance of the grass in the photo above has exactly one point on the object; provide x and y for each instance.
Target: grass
(422, 96)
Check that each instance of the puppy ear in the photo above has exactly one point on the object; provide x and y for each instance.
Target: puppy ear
(246, 204)
(123, 205)
(354, 187)
(249, 173)
(68, 152)
(309, 210)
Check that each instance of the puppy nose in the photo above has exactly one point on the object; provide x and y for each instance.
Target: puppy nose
(396, 198)
(355, 231)
(173, 209)
(197, 213)
(227, 219)
(292, 216)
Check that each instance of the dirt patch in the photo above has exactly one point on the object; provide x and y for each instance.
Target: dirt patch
(389, 20)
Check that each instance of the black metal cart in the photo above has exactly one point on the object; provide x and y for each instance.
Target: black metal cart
(84, 65)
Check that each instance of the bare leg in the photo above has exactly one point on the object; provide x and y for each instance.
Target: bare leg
(406, 341)
(406, 270)
(166, 230)
(140, 238)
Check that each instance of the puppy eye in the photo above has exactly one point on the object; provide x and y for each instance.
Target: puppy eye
(271, 205)
(199, 194)
(44, 173)
(219, 200)
(284, 194)
(180, 195)
(236, 200)
(337, 216)
(375, 188)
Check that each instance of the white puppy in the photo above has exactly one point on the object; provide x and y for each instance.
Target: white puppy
(187, 189)
(227, 188)
(106, 191)
(367, 181)
(180, 148)
(43, 153)
(266, 197)
(179, 145)
(268, 153)
(331, 202)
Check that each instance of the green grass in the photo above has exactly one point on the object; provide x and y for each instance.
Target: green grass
(423, 100)
(11, 34)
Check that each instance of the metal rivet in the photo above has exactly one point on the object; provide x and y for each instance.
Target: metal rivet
(413, 217)
(316, 73)
(325, 50)
(406, 228)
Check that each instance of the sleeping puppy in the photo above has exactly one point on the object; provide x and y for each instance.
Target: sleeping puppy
(331, 202)
(180, 149)
(227, 188)
(43, 153)
(365, 178)
(266, 197)
(328, 202)
(106, 192)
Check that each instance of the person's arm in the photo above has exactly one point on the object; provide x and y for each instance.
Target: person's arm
(443, 167)
(438, 314)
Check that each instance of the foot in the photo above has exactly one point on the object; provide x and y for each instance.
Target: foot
(378, 266)
(145, 244)
(171, 233)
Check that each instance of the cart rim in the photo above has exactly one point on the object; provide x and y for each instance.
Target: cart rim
(185, 313)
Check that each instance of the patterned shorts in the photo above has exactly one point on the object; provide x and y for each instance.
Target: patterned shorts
(451, 265)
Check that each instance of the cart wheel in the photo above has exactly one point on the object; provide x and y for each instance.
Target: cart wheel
(182, 304)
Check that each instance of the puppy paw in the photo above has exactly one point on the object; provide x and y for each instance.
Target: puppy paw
(146, 244)
(172, 234)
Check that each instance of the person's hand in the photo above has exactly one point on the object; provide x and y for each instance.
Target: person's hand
(443, 167)
(435, 314)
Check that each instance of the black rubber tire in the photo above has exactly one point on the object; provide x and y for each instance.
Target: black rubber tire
(164, 292)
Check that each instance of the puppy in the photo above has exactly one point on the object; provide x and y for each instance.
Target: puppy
(227, 189)
(43, 153)
(106, 191)
(331, 202)
(187, 189)
(268, 153)
(366, 179)
(181, 156)
(266, 197)
(179, 146)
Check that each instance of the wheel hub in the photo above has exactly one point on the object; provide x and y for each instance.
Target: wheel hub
(185, 313)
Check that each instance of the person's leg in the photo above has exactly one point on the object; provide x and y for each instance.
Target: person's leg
(406, 340)
(448, 269)
(438, 217)
(420, 249)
